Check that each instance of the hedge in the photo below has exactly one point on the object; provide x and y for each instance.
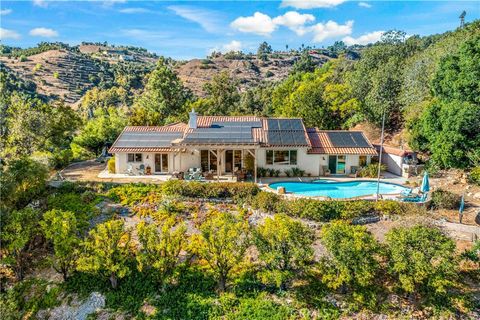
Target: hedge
(324, 211)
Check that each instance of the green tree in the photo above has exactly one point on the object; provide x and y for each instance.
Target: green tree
(103, 128)
(458, 75)
(162, 100)
(222, 95)
(161, 244)
(60, 228)
(285, 249)
(264, 49)
(107, 251)
(421, 259)
(352, 261)
(21, 181)
(18, 229)
(448, 131)
(304, 64)
(222, 242)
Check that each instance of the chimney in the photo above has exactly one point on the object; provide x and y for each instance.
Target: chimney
(192, 121)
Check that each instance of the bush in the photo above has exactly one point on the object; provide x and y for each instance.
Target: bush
(111, 165)
(371, 170)
(23, 58)
(266, 201)
(443, 199)
(474, 176)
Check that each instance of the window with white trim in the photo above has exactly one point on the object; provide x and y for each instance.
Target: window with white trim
(134, 157)
(281, 157)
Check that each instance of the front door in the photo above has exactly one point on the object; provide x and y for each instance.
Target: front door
(233, 160)
(161, 163)
(332, 164)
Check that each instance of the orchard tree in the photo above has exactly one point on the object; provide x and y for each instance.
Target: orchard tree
(60, 228)
(352, 261)
(161, 244)
(18, 229)
(107, 251)
(162, 100)
(421, 260)
(222, 242)
(285, 249)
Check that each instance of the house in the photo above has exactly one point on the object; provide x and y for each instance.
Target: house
(225, 144)
(400, 161)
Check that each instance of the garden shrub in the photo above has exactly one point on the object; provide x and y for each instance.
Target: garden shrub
(371, 170)
(131, 194)
(266, 201)
(443, 199)
(390, 207)
(474, 175)
(221, 190)
(76, 203)
(111, 165)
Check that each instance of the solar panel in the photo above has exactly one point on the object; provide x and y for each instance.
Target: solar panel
(273, 124)
(147, 139)
(348, 139)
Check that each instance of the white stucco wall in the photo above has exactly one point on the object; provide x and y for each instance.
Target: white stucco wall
(308, 162)
(393, 163)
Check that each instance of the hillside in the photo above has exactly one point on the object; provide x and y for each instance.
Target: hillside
(246, 68)
(58, 74)
(66, 73)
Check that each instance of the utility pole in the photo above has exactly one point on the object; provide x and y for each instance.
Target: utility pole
(380, 156)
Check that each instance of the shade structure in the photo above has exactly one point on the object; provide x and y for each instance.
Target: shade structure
(462, 204)
(425, 183)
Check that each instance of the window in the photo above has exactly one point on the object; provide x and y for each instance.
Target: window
(281, 157)
(134, 157)
(208, 161)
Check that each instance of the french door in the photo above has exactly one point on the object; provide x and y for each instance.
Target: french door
(161, 163)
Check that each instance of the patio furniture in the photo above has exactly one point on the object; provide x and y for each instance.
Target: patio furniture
(208, 175)
(417, 199)
(241, 175)
(325, 171)
(353, 172)
(197, 176)
(141, 170)
(148, 170)
(129, 170)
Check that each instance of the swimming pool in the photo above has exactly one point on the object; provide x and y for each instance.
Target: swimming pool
(336, 189)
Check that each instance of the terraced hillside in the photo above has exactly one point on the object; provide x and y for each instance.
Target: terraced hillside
(247, 69)
(58, 74)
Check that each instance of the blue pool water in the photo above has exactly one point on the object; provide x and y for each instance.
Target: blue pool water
(338, 190)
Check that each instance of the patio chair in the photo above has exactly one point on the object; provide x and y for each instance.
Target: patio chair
(141, 170)
(129, 170)
(197, 176)
(417, 199)
(353, 172)
(325, 171)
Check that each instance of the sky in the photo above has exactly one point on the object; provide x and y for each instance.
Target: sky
(193, 29)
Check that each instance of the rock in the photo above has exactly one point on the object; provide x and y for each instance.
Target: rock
(476, 195)
(81, 311)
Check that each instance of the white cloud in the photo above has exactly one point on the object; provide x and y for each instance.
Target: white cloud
(259, 23)
(204, 18)
(294, 21)
(134, 10)
(331, 29)
(311, 4)
(364, 4)
(43, 32)
(8, 34)
(367, 38)
(4, 12)
(233, 45)
(40, 3)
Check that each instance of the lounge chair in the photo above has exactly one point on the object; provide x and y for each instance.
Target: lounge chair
(197, 176)
(417, 199)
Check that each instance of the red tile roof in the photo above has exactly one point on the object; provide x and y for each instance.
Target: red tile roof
(138, 149)
(393, 150)
(321, 144)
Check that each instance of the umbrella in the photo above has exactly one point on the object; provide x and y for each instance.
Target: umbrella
(425, 183)
(462, 204)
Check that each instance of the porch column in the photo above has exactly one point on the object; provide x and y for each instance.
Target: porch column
(255, 167)
(218, 165)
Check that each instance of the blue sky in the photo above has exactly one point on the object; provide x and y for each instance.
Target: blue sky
(189, 29)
